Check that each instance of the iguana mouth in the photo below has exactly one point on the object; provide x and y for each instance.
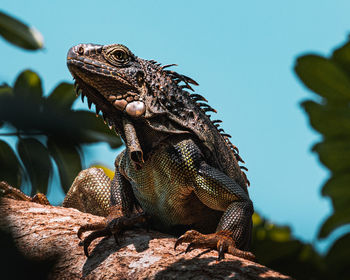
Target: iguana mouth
(93, 97)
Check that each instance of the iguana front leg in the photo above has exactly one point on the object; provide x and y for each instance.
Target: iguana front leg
(220, 192)
(228, 236)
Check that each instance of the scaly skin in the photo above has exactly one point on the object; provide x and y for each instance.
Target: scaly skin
(179, 173)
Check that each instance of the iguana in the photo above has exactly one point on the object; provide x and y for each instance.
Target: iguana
(179, 172)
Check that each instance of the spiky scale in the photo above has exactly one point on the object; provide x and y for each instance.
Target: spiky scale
(187, 86)
(206, 107)
(226, 135)
(166, 66)
(238, 157)
(97, 110)
(89, 103)
(198, 97)
(243, 167)
(104, 117)
(190, 80)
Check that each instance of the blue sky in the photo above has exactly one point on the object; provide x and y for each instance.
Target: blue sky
(242, 54)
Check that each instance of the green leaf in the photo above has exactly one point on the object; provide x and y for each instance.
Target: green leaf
(23, 108)
(5, 98)
(68, 161)
(324, 77)
(36, 159)
(94, 130)
(28, 86)
(62, 96)
(342, 57)
(335, 154)
(20, 34)
(328, 120)
(280, 234)
(338, 189)
(5, 89)
(337, 219)
(338, 258)
(10, 168)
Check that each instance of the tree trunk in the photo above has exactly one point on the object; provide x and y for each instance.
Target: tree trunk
(49, 233)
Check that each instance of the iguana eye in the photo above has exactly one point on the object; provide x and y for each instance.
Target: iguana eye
(120, 55)
(117, 55)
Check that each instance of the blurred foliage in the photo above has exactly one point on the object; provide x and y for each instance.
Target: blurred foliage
(329, 114)
(47, 129)
(275, 247)
(19, 33)
(329, 78)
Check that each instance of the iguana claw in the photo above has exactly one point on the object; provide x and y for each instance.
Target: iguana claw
(91, 237)
(220, 241)
(103, 229)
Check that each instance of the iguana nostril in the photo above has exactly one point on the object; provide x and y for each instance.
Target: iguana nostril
(80, 50)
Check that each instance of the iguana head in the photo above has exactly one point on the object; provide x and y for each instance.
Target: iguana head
(110, 76)
(123, 85)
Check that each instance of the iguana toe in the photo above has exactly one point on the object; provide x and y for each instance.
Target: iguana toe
(115, 227)
(221, 241)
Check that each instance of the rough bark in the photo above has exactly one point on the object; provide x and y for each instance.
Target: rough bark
(48, 232)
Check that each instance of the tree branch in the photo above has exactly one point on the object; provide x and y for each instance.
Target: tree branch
(48, 232)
